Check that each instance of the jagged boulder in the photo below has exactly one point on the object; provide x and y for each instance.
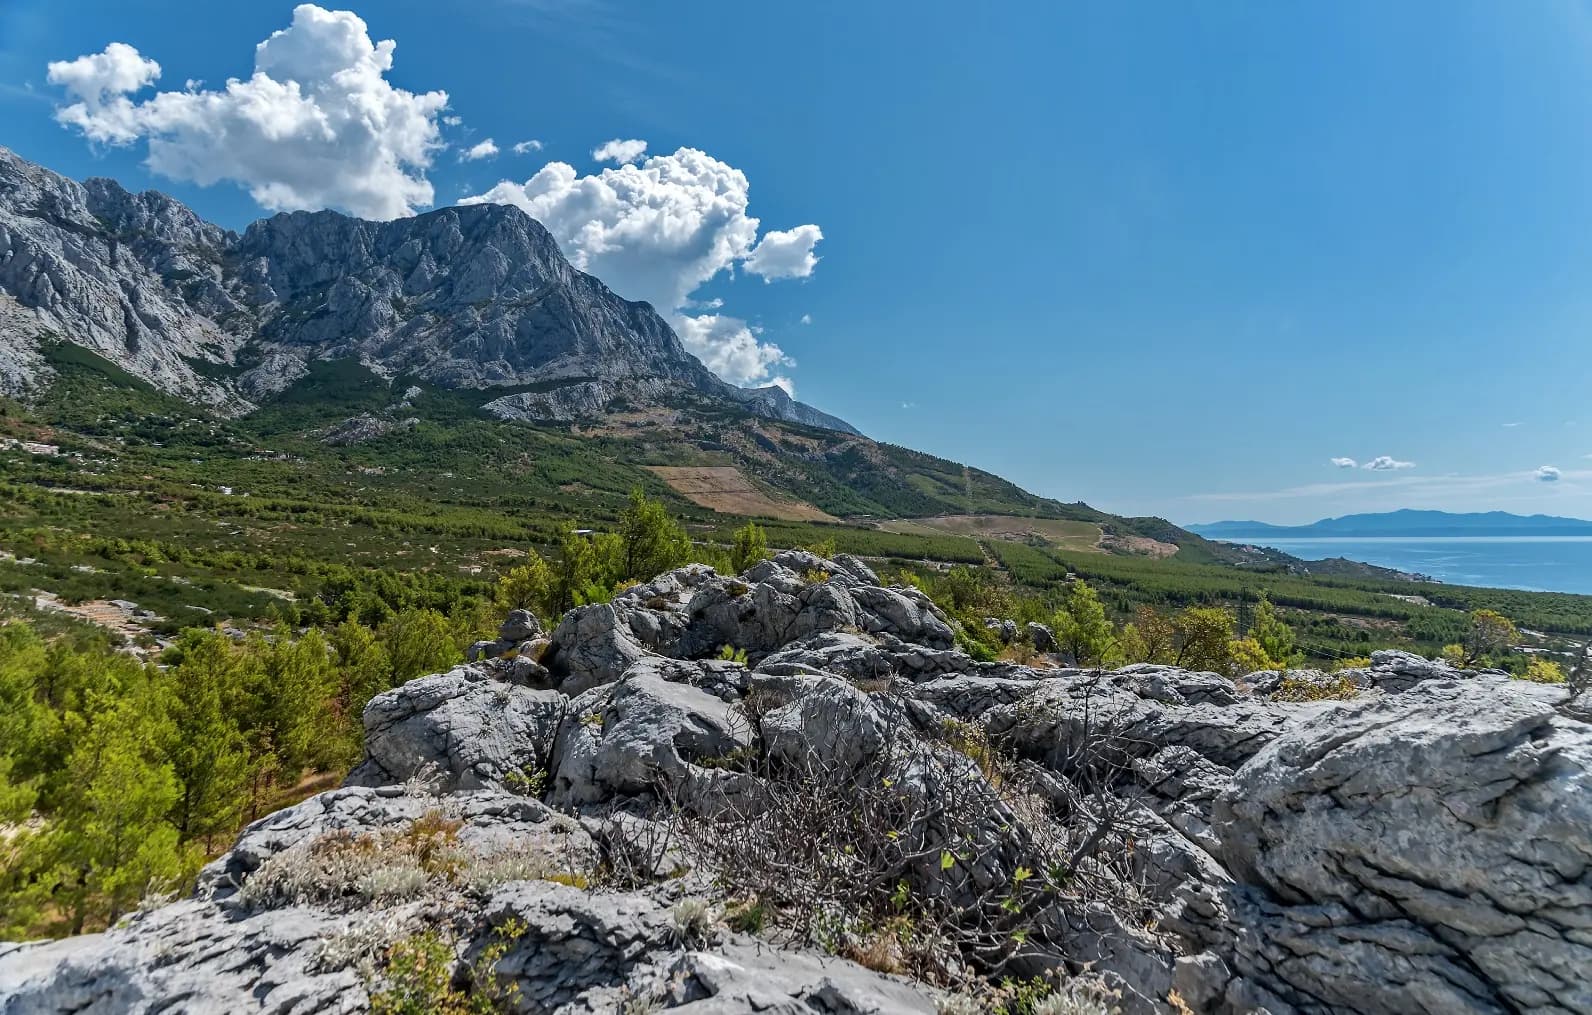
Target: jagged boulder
(1143, 709)
(592, 646)
(518, 626)
(1042, 637)
(1005, 630)
(1428, 851)
(641, 735)
(460, 727)
(606, 953)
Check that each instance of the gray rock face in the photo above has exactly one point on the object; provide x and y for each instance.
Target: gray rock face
(1146, 708)
(1043, 638)
(464, 297)
(189, 956)
(138, 279)
(470, 730)
(639, 735)
(1424, 852)
(592, 646)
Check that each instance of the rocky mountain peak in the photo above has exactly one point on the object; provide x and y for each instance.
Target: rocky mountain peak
(468, 297)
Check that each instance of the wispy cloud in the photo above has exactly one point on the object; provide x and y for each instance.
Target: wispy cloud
(1511, 426)
(1345, 463)
(1387, 463)
(526, 147)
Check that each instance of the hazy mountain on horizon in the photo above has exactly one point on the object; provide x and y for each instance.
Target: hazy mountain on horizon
(1404, 522)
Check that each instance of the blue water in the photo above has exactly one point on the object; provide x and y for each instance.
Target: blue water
(1537, 563)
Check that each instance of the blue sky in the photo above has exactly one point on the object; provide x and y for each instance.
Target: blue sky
(1168, 259)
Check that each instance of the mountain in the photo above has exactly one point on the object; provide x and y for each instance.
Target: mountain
(476, 297)
(1405, 522)
(117, 307)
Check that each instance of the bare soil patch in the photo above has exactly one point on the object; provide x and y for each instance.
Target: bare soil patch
(725, 490)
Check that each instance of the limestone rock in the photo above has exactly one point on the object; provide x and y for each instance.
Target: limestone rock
(1421, 852)
(641, 735)
(474, 731)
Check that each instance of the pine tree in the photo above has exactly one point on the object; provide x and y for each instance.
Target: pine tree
(652, 541)
(528, 586)
(208, 752)
(750, 545)
(1275, 638)
(110, 841)
(1205, 635)
(24, 721)
(419, 642)
(293, 698)
(1082, 628)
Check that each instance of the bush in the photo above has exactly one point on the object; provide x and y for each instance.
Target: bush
(345, 871)
(1336, 686)
(1542, 671)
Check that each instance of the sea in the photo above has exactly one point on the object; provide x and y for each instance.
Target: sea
(1535, 563)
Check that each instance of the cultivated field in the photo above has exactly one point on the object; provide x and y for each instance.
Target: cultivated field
(725, 490)
(1058, 532)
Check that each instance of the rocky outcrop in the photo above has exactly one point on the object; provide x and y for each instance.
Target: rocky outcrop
(1431, 851)
(581, 829)
(459, 727)
(464, 297)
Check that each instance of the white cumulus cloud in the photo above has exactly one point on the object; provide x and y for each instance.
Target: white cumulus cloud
(1386, 463)
(786, 253)
(100, 82)
(1547, 474)
(1345, 463)
(525, 147)
(622, 152)
(727, 346)
(657, 231)
(316, 125)
(484, 150)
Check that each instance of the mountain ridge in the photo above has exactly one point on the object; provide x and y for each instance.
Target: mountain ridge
(1403, 522)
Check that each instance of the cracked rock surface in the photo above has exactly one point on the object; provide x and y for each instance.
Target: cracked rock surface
(1424, 846)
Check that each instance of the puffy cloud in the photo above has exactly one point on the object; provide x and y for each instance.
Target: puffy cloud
(316, 125)
(784, 383)
(807, 318)
(622, 152)
(525, 147)
(1345, 463)
(785, 253)
(485, 150)
(1547, 474)
(100, 82)
(656, 232)
(1386, 463)
(726, 346)
(452, 121)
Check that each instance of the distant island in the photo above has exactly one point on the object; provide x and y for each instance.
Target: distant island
(1403, 523)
